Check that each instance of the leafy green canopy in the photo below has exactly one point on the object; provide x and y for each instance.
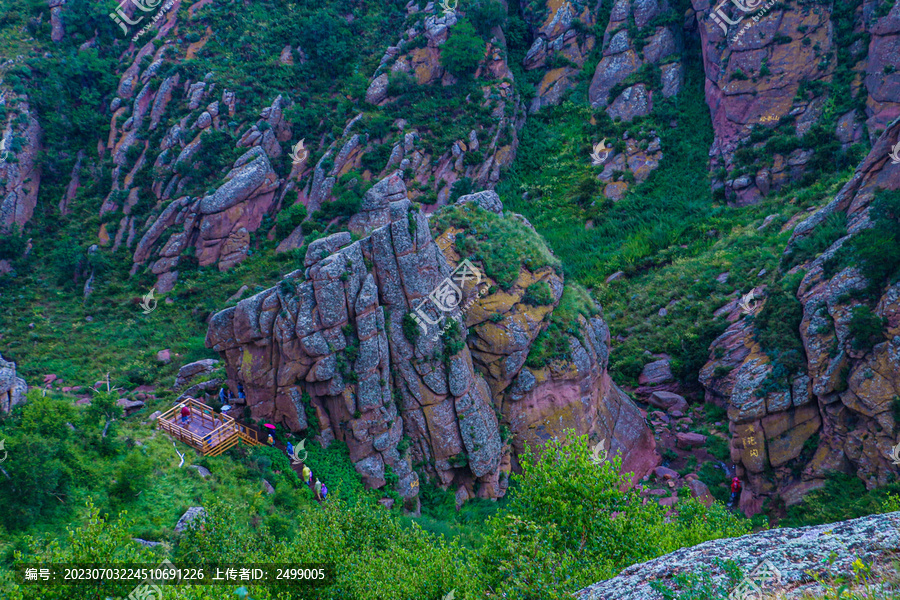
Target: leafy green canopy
(568, 524)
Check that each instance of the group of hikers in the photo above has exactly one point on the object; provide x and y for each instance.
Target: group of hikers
(225, 395)
(318, 487)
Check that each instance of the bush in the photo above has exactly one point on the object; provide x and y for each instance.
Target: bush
(288, 220)
(866, 328)
(538, 294)
(570, 523)
(463, 50)
(486, 14)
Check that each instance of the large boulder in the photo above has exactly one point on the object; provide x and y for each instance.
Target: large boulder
(796, 559)
(767, 70)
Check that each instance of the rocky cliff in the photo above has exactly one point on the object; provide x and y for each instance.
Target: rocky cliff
(791, 558)
(783, 80)
(792, 424)
(337, 342)
(20, 174)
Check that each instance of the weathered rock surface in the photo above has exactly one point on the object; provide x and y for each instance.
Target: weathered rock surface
(566, 31)
(797, 553)
(334, 338)
(12, 387)
(768, 69)
(194, 513)
(631, 42)
(191, 371)
(840, 404)
(218, 226)
(20, 173)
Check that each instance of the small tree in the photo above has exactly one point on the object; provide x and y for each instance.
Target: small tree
(462, 52)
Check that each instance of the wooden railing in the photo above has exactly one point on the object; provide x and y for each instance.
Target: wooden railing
(221, 432)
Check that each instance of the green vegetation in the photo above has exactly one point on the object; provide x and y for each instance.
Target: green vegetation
(876, 250)
(501, 244)
(463, 50)
(842, 497)
(538, 294)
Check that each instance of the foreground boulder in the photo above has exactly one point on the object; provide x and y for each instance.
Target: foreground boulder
(793, 556)
(350, 347)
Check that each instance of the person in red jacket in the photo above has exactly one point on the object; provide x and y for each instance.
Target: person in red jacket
(735, 490)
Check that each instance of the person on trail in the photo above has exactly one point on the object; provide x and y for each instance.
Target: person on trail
(185, 414)
(307, 475)
(222, 397)
(271, 440)
(241, 392)
(290, 449)
(324, 492)
(318, 489)
(735, 490)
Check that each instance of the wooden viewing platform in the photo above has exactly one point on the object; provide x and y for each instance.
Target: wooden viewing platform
(209, 432)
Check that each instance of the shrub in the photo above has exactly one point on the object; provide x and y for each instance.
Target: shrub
(866, 328)
(288, 220)
(538, 294)
(829, 231)
(486, 14)
(463, 50)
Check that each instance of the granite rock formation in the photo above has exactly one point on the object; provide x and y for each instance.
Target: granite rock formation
(336, 341)
(784, 67)
(20, 173)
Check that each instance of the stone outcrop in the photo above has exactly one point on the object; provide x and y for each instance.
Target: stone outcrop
(12, 387)
(640, 36)
(337, 340)
(20, 173)
(218, 226)
(479, 155)
(836, 414)
(564, 33)
(796, 554)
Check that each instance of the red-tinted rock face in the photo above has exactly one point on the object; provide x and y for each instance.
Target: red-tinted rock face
(330, 341)
(837, 413)
(788, 68)
(625, 53)
(217, 225)
(20, 173)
